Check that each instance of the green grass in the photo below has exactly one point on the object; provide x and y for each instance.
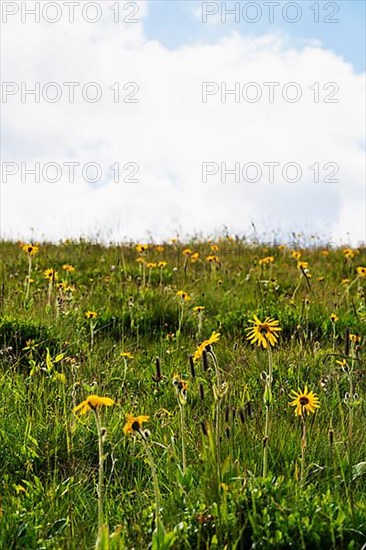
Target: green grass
(49, 455)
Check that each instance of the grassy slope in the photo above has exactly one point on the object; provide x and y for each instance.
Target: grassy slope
(49, 459)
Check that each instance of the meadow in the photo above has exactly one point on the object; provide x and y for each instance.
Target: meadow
(198, 395)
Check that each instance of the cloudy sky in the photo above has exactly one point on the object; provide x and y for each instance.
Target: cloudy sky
(129, 120)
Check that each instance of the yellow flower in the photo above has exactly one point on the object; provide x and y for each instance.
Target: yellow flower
(296, 254)
(30, 249)
(361, 271)
(69, 268)
(151, 265)
(214, 248)
(325, 253)
(184, 295)
(140, 248)
(304, 401)
(159, 248)
(215, 336)
(126, 354)
(134, 423)
(91, 314)
(198, 309)
(140, 260)
(162, 264)
(195, 257)
(212, 259)
(302, 265)
(349, 253)
(263, 333)
(93, 402)
(344, 281)
(50, 274)
(187, 252)
(334, 317)
(266, 260)
(354, 338)
(281, 247)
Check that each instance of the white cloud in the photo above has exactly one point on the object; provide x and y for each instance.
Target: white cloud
(170, 132)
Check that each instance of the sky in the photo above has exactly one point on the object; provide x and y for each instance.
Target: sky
(144, 120)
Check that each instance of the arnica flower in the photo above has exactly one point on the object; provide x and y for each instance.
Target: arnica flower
(30, 249)
(215, 336)
(140, 248)
(69, 268)
(181, 388)
(212, 259)
(50, 274)
(162, 264)
(263, 333)
(134, 423)
(93, 402)
(198, 309)
(266, 260)
(354, 338)
(304, 401)
(334, 317)
(361, 271)
(126, 354)
(91, 314)
(187, 252)
(296, 254)
(195, 257)
(349, 253)
(183, 295)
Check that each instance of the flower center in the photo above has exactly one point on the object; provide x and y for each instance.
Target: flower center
(135, 426)
(304, 401)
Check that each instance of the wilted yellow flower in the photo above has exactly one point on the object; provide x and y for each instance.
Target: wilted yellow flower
(69, 268)
(50, 274)
(181, 388)
(134, 423)
(30, 249)
(263, 333)
(183, 295)
(304, 401)
(93, 402)
(126, 354)
(91, 314)
(215, 336)
(361, 271)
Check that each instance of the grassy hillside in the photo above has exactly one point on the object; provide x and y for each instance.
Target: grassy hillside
(226, 462)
